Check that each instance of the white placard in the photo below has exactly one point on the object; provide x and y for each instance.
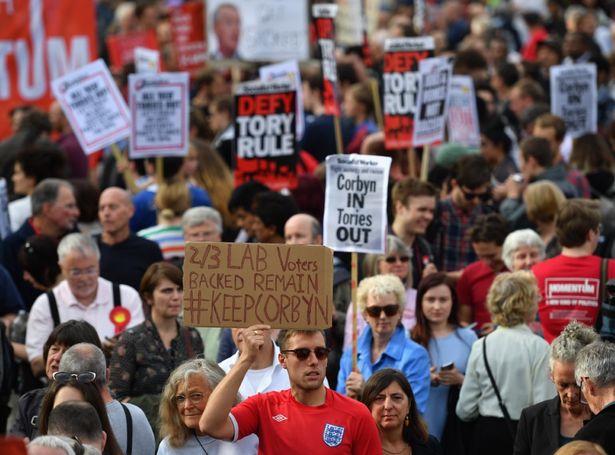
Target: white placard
(462, 118)
(432, 99)
(348, 23)
(93, 105)
(159, 105)
(574, 97)
(147, 60)
(356, 203)
(287, 70)
(5, 221)
(263, 30)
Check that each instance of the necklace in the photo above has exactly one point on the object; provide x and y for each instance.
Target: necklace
(396, 453)
(197, 440)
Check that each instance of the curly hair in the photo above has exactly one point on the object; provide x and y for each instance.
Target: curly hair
(513, 298)
(567, 345)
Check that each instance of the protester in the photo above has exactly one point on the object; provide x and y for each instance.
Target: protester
(544, 201)
(384, 343)
(50, 445)
(536, 432)
(306, 409)
(184, 398)
(522, 249)
(271, 211)
(437, 330)
(512, 303)
(580, 448)
(77, 419)
(389, 397)
(241, 207)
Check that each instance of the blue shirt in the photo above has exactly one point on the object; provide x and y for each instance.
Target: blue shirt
(401, 353)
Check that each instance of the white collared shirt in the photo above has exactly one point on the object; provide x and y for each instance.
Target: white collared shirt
(40, 322)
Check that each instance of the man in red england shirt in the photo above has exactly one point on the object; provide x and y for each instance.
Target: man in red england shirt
(307, 418)
(570, 283)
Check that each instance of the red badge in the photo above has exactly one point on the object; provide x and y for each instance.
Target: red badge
(120, 317)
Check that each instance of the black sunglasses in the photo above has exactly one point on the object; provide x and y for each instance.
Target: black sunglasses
(304, 353)
(393, 259)
(63, 377)
(375, 311)
(482, 196)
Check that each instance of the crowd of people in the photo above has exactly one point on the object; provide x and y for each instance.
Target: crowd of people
(485, 326)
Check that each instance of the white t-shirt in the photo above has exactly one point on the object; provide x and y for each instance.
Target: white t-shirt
(249, 444)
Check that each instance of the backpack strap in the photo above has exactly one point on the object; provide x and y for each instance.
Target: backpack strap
(128, 429)
(603, 306)
(117, 297)
(53, 307)
(497, 392)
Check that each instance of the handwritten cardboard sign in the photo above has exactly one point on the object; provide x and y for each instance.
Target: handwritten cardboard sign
(574, 97)
(241, 284)
(355, 203)
(401, 65)
(93, 105)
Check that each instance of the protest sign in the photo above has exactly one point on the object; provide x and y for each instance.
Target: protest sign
(324, 24)
(159, 105)
(265, 134)
(355, 203)
(122, 47)
(41, 41)
(462, 118)
(147, 60)
(574, 97)
(264, 30)
(5, 222)
(188, 31)
(348, 23)
(432, 100)
(401, 64)
(93, 105)
(287, 70)
(241, 284)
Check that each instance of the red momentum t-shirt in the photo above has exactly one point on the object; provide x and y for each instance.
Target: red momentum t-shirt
(284, 426)
(570, 289)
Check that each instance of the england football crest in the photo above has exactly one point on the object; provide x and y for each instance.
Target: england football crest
(333, 435)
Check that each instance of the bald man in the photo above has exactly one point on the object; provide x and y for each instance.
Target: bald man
(124, 257)
(302, 229)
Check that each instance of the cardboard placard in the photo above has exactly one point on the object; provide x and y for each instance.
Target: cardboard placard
(122, 47)
(188, 30)
(462, 118)
(265, 141)
(159, 105)
(263, 30)
(93, 105)
(324, 24)
(41, 41)
(401, 64)
(287, 70)
(348, 23)
(356, 202)
(147, 60)
(241, 284)
(574, 97)
(432, 100)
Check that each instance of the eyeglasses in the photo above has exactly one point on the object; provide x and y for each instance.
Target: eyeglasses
(194, 398)
(63, 377)
(482, 196)
(394, 259)
(79, 272)
(376, 311)
(304, 353)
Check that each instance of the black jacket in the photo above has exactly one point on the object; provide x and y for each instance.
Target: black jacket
(28, 408)
(600, 429)
(538, 430)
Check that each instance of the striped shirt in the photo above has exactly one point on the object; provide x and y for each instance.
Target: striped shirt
(170, 239)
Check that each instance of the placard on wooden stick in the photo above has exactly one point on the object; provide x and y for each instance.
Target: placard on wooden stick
(238, 285)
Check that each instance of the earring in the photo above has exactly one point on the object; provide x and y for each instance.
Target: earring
(407, 420)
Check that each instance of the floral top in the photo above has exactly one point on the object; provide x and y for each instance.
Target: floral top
(141, 364)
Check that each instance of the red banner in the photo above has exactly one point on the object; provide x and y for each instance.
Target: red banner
(41, 40)
(122, 47)
(324, 25)
(188, 28)
(401, 65)
(265, 134)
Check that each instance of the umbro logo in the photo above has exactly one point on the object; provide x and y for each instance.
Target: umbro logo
(280, 418)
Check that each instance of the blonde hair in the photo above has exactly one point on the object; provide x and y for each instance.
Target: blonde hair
(543, 201)
(580, 448)
(513, 298)
(381, 285)
(173, 199)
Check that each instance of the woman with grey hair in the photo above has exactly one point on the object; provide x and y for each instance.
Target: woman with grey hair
(522, 249)
(39, 445)
(546, 426)
(507, 370)
(183, 401)
(396, 261)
